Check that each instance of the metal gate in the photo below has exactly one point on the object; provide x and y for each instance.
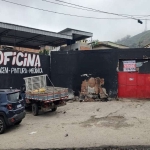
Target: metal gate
(133, 85)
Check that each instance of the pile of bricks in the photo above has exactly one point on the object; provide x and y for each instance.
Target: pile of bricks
(92, 90)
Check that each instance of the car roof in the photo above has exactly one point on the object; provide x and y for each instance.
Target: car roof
(8, 91)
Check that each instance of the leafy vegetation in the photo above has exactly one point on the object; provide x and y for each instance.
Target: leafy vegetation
(137, 41)
(95, 42)
(44, 52)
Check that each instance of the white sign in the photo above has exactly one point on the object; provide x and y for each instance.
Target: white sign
(20, 59)
(129, 66)
(19, 63)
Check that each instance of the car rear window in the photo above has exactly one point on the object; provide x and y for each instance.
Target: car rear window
(13, 97)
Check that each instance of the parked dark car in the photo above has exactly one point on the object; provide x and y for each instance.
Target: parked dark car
(12, 108)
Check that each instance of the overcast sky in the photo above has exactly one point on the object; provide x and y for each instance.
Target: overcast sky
(103, 30)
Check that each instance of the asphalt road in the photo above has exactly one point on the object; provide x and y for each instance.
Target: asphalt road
(83, 124)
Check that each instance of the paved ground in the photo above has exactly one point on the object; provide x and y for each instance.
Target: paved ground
(83, 125)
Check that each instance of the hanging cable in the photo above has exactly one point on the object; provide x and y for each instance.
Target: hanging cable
(89, 9)
(139, 21)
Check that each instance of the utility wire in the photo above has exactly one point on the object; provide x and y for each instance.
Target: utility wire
(89, 9)
(122, 15)
(61, 1)
(67, 5)
(45, 10)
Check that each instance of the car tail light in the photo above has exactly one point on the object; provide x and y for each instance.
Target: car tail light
(9, 107)
(12, 120)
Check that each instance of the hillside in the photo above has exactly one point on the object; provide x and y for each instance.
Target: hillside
(139, 40)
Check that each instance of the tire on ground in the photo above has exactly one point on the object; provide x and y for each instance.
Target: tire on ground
(2, 125)
(35, 109)
(54, 109)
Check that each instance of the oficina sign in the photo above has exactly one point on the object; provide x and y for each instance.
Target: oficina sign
(19, 63)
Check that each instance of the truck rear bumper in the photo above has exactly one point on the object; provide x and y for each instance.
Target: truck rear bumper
(47, 106)
(62, 103)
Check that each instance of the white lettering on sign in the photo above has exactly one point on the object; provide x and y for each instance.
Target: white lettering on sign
(25, 60)
(3, 70)
(129, 66)
(6, 55)
(19, 70)
(1, 57)
(131, 79)
(31, 60)
(35, 70)
(14, 58)
(20, 59)
(37, 61)
(18, 62)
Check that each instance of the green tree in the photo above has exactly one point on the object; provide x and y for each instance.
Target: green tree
(94, 43)
(44, 52)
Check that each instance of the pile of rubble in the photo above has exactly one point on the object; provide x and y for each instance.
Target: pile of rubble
(93, 90)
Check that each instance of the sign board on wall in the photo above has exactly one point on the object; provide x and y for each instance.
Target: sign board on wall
(129, 66)
(15, 65)
(19, 63)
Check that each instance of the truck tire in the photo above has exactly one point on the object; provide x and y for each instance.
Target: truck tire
(2, 125)
(54, 109)
(35, 110)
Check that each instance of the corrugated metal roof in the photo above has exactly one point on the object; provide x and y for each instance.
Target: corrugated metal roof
(110, 44)
(32, 30)
(75, 32)
(20, 36)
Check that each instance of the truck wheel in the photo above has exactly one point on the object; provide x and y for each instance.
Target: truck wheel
(2, 125)
(54, 109)
(35, 110)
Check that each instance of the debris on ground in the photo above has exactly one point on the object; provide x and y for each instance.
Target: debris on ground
(66, 135)
(33, 132)
(92, 90)
(70, 101)
(70, 94)
(122, 120)
(98, 109)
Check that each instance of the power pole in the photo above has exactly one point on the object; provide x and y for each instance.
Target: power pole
(145, 24)
(140, 44)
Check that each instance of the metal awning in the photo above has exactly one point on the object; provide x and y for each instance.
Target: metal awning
(20, 36)
(77, 34)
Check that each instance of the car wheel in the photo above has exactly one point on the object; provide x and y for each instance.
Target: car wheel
(54, 109)
(17, 123)
(35, 110)
(2, 125)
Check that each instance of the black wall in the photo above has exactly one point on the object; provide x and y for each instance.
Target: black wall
(67, 67)
(15, 80)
